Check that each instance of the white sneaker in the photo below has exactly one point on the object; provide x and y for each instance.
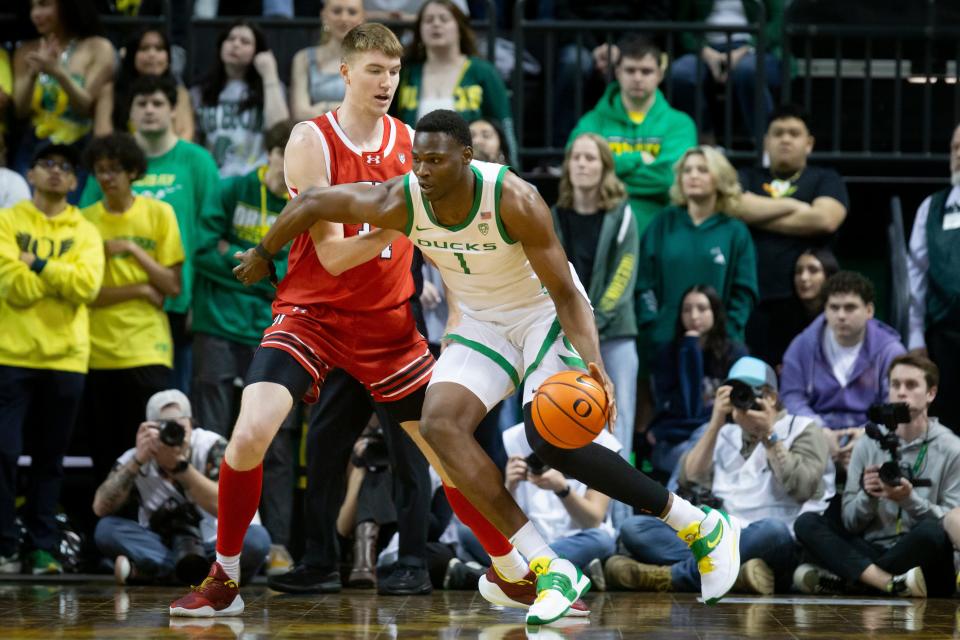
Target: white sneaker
(715, 543)
(909, 585)
(122, 569)
(10, 564)
(279, 560)
(559, 584)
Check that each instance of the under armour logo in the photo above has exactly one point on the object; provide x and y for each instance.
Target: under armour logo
(372, 158)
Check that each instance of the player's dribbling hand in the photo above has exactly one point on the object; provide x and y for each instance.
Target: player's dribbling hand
(601, 376)
(252, 268)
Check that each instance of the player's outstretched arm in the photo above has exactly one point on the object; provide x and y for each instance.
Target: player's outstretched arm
(305, 167)
(382, 205)
(528, 220)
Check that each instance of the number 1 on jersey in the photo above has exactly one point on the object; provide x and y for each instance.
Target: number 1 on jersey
(387, 252)
(463, 262)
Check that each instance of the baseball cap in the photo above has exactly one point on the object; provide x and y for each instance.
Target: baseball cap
(46, 149)
(161, 399)
(754, 372)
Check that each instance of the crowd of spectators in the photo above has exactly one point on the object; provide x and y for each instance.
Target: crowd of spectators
(126, 334)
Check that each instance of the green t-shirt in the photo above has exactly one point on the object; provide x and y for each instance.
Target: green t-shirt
(222, 306)
(187, 179)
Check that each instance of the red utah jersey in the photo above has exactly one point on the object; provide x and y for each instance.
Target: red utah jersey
(382, 283)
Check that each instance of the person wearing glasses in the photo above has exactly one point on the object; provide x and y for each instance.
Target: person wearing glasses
(131, 349)
(51, 267)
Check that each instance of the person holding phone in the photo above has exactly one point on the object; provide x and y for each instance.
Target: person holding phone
(573, 517)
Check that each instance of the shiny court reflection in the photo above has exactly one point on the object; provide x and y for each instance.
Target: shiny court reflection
(102, 610)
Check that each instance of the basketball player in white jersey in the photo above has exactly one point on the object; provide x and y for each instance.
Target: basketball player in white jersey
(523, 319)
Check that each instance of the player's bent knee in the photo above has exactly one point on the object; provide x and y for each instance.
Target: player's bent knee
(252, 437)
(439, 429)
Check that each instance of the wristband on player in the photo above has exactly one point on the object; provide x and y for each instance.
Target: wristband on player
(262, 252)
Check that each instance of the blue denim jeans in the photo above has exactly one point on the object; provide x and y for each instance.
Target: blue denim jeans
(121, 536)
(622, 363)
(744, 79)
(580, 548)
(651, 541)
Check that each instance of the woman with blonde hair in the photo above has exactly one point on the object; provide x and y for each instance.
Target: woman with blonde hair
(597, 230)
(315, 82)
(695, 242)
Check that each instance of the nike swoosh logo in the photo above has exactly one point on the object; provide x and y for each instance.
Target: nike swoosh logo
(717, 533)
(419, 228)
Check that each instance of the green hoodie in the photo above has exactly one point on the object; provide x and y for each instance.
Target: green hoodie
(222, 306)
(614, 277)
(675, 254)
(665, 134)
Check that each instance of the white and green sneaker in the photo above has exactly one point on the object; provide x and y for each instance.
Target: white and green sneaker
(559, 585)
(715, 543)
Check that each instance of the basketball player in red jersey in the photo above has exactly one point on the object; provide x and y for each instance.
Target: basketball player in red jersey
(342, 304)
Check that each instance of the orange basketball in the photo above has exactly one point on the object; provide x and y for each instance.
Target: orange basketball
(569, 409)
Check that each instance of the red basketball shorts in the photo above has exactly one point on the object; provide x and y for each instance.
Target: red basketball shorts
(381, 349)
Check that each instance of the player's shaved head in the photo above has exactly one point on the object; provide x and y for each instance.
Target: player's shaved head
(371, 36)
(448, 122)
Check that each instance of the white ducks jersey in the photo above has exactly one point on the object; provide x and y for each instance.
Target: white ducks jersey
(487, 271)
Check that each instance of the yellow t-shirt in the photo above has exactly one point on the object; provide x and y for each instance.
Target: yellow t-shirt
(133, 333)
(637, 117)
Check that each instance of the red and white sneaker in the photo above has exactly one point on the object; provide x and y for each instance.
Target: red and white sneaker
(519, 595)
(218, 595)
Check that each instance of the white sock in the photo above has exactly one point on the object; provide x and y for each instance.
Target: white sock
(230, 564)
(531, 544)
(511, 566)
(682, 513)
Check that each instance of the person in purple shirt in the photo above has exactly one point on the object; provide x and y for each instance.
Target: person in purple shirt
(836, 368)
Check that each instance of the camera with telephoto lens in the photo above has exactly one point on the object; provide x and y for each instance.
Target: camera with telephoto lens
(890, 415)
(172, 433)
(535, 465)
(178, 524)
(743, 396)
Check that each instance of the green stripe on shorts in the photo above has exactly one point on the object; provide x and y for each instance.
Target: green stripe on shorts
(490, 353)
(547, 342)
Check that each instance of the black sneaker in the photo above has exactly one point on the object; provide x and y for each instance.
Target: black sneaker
(462, 576)
(405, 581)
(303, 579)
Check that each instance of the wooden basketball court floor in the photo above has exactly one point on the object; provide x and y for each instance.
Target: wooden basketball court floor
(98, 609)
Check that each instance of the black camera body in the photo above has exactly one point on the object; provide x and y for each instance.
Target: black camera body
(375, 456)
(172, 433)
(743, 396)
(890, 415)
(535, 465)
(178, 523)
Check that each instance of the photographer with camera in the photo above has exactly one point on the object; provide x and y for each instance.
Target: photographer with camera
(759, 464)
(571, 516)
(901, 482)
(172, 475)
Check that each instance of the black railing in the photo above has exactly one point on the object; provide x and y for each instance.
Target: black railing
(881, 80)
(877, 93)
(577, 33)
